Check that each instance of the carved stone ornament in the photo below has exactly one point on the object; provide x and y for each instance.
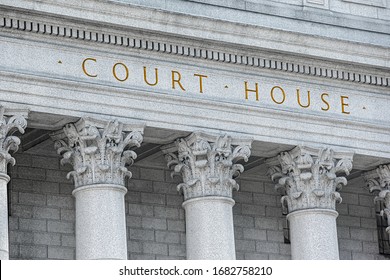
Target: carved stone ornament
(8, 142)
(308, 177)
(99, 151)
(378, 180)
(207, 163)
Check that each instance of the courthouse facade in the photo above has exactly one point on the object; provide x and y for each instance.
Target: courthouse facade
(195, 129)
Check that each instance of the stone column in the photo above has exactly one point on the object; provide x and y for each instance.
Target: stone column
(378, 180)
(8, 125)
(207, 165)
(307, 178)
(99, 153)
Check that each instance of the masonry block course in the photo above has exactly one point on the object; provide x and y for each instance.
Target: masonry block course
(167, 237)
(47, 238)
(43, 216)
(32, 224)
(61, 253)
(33, 252)
(32, 199)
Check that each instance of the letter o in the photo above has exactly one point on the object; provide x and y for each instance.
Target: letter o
(114, 71)
(272, 95)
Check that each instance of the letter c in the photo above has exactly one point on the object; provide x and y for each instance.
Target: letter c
(85, 70)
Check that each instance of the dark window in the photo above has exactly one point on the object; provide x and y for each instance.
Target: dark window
(286, 226)
(286, 232)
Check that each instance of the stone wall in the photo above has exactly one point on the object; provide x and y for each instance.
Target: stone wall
(155, 218)
(357, 230)
(42, 215)
(41, 222)
(259, 222)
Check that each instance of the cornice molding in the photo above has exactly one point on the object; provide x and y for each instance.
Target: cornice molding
(189, 51)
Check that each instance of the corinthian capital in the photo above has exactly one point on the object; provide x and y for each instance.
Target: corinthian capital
(308, 177)
(8, 126)
(207, 163)
(378, 180)
(99, 151)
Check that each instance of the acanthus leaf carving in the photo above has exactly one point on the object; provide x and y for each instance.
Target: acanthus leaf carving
(99, 154)
(309, 177)
(378, 181)
(9, 142)
(207, 163)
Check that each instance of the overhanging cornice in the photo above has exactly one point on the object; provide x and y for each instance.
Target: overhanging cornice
(237, 56)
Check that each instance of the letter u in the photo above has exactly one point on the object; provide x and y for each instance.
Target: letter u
(155, 77)
(299, 99)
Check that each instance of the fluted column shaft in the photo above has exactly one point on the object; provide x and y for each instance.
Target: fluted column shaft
(307, 177)
(99, 153)
(206, 164)
(8, 125)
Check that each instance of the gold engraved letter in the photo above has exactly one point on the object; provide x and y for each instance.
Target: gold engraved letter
(299, 99)
(282, 91)
(256, 90)
(200, 81)
(155, 77)
(326, 102)
(176, 80)
(126, 70)
(85, 70)
(343, 105)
